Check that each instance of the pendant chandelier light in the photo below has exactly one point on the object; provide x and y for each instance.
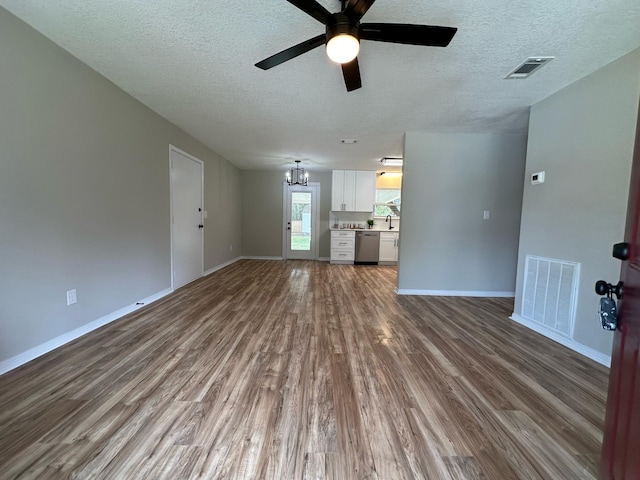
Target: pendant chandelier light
(297, 175)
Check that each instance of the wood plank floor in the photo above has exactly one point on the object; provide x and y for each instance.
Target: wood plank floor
(305, 370)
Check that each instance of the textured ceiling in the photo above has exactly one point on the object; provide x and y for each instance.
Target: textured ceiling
(192, 61)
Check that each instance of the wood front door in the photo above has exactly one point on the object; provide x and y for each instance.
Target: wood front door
(621, 445)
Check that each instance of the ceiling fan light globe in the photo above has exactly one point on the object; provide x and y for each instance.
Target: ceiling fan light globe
(343, 48)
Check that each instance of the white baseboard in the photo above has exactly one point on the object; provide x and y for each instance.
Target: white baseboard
(249, 257)
(261, 258)
(588, 352)
(35, 352)
(221, 266)
(454, 293)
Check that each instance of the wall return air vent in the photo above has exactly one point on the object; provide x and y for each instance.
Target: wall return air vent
(550, 293)
(528, 67)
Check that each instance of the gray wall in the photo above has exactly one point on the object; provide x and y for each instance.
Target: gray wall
(223, 203)
(582, 136)
(448, 181)
(84, 193)
(262, 212)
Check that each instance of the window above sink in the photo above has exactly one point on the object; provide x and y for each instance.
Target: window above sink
(388, 202)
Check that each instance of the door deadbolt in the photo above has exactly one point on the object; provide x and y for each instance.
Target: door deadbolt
(621, 251)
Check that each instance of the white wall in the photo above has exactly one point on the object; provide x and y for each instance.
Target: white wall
(448, 182)
(583, 137)
(84, 194)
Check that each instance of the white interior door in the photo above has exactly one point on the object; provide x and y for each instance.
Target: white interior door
(187, 226)
(301, 222)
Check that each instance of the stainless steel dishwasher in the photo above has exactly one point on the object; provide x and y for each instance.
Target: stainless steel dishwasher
(367, 248)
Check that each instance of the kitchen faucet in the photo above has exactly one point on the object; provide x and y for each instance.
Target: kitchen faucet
(388, 219)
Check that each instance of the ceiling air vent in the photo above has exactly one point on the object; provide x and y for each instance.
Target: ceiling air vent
(530, 65)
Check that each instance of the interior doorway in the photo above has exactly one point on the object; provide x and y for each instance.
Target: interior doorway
(300, 220)
(187, 227)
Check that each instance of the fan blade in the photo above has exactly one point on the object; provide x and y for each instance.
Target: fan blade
(313, 8)
(293, 52)
(408, 34)
(351, 74)
(357, 8)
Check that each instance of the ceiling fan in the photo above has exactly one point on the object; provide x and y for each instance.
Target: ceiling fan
(344, 32)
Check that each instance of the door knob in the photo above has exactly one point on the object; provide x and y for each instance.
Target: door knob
(200, 226)
(604, 288)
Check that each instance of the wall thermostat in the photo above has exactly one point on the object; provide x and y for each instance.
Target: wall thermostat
(537, 178)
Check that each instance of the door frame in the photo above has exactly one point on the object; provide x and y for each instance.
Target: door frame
(314, 188)
(174, 149)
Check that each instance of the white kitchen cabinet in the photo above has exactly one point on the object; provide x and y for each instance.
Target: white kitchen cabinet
(353, 191)
(337, 190)
(343, 191)
(365, 191)
(343, 246)
(388, 247)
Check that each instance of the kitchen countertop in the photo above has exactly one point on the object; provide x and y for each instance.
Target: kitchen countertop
(394, 230)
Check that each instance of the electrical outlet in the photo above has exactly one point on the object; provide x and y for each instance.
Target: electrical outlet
(230, 247)
(72, 297)
(537, 178)
(486, 215)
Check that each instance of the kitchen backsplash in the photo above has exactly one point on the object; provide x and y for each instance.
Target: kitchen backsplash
(359, 219)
